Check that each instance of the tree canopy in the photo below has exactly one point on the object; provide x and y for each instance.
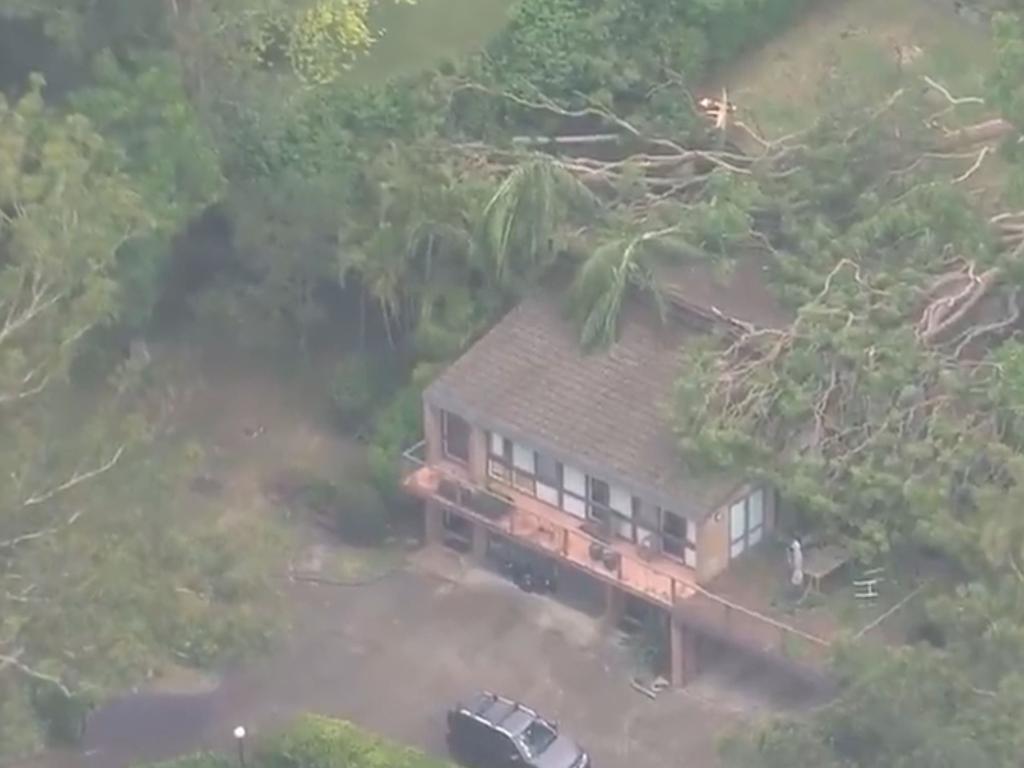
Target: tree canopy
(886, 409)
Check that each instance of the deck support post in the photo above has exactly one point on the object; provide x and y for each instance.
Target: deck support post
(683, 653)
(614, 605)
(481, 536)
(433, 523)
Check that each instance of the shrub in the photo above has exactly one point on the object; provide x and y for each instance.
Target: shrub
(395, 428)
(63, 716)
(199, 760)
(354, 390)
(320, 742)
(360, 514)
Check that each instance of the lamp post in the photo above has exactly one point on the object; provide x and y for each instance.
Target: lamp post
(240, 740)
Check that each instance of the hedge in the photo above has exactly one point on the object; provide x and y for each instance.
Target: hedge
(318, 742)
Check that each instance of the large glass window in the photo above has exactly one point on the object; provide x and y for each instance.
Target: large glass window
(679, 537)
(549, 479)
(746, 523)
(455, 437)
(523, 468)
(499, 458)
(611, 505)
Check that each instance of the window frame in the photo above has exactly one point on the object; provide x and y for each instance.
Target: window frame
(565, 493)
(605, 513)
(446, 432)
(499, 466)
(683, 548)
(749, 537)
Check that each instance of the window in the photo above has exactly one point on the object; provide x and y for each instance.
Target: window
(574, 491)
(499, 458)
(549, 479)
(611, 505)
(537, 737)
(574, 482)
(510, 463)
(755, 517)
(549, 471)
(523, 467)
(455, 437)
(522, 458)
(645, 515)
(746, 523)
(679, 537)
(598, 495)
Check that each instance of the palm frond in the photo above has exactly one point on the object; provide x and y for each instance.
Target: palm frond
(602, 281)
(521, 221)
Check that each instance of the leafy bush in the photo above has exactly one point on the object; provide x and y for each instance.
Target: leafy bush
(355, 507)
(63, 716)
(360, 514)
(395, 428)
(199, 760)
(355, 387)
(320, 742)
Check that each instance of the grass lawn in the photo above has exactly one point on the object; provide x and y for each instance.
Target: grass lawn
(353, 565)
(416, 36)
(852, 44)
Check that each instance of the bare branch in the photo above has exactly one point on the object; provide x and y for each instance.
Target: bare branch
(75, 479)
(950, 97)
(14, 660)
(10, 543)
(974, 166)
(10, 397)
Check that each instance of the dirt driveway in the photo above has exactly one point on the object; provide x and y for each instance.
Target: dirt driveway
(391, 655)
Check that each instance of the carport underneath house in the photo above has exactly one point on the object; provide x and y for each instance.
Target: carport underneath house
(530, 441)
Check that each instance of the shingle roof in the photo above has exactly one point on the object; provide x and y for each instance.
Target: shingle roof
(742, 293)
(606, 412)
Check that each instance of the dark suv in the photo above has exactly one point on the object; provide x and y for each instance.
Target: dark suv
(491, 731)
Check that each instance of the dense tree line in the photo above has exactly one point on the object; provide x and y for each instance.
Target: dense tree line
(431, 202)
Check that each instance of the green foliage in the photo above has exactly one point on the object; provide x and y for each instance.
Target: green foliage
(915, 707)
(1007, 82)
(528, 210)
(353, 507)
(84, 27)
(360, 514)
(618, 49)
(144, 109)
(62, 716)
(106, 576)
(320, 742)
(200, 760)
(169, 156)
(355, 388)
(396, 427)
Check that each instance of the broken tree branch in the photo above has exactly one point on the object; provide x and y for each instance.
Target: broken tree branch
(14, 660)
(13, 542)
(950, 97)
(974, 166)
(74, 480)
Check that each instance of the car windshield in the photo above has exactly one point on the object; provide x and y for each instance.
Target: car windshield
(537, 737)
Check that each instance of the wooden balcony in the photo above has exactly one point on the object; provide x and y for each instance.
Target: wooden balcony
(553, 532)
(652, 577)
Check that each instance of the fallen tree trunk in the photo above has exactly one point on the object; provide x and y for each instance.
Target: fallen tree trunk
(987, 131)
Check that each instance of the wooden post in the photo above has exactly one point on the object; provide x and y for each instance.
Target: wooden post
(433, 523)
(614, 605)
(683, 653)
(480, 539)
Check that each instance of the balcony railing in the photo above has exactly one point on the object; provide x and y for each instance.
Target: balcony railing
(653, 577)
(413, 458)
